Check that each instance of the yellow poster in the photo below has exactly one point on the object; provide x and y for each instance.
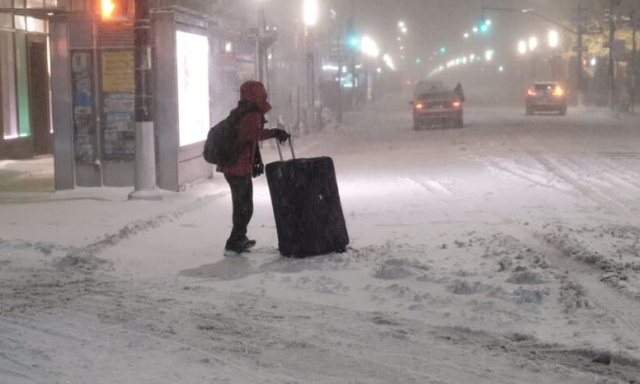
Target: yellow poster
(118, 72)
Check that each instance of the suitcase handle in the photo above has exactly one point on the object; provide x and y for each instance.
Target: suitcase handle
(293, 155)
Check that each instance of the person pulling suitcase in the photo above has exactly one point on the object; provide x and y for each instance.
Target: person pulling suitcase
(252, 107)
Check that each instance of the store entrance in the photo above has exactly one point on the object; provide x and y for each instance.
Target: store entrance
(39, 96)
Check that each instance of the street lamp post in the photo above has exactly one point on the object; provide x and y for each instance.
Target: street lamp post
(554, 40)
(522, 50)
(533, 45)
(259, 69)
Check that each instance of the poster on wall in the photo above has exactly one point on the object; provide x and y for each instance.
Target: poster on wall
(118, 105)
(83, 106)
(193, 87)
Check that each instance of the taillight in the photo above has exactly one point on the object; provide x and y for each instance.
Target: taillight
(558, 92)
(419, 106)
(531, 92)
(456, 104)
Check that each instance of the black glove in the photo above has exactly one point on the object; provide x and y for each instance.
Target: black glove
(258, 169)
(258, 165)
(281, 135)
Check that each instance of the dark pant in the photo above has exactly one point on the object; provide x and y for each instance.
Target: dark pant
(242, 197)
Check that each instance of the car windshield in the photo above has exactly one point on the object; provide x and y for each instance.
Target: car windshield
(436, 95)
(545, 87)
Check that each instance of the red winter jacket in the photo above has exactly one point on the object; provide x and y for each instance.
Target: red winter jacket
(250, 129)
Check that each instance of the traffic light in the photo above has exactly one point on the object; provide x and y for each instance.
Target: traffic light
(484, 26)
(116, 10)
(353, 39)
(353, 42)
(443, 49)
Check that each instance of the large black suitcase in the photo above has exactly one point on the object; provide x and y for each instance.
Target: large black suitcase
(306, 206)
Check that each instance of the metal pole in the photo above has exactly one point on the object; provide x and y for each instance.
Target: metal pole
(260, 49)
(534, 73)
(310, 81)
(579, 67)
(145, 158)
(314, 112)
(339, 113)
(634, 73)
(611, 72)
(97, 99)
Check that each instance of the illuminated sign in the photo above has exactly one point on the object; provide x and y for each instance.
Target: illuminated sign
(192, 55)
(116, 10)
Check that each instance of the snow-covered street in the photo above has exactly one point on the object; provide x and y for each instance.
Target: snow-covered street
(504, 252)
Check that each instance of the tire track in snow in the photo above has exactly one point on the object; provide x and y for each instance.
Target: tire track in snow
(610, 204)
(629, 162)
(436, 189)
(521, 172)
(606, 178)
(528, 349)
(432, 186)
(578, 174)
(624, 309)
(621, 176)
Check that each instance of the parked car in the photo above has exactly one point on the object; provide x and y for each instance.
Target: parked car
(437, 107)
(546, 97)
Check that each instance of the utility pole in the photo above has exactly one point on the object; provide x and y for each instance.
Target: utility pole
(145, 157)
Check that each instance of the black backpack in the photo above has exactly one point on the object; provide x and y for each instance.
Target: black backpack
(221, 145)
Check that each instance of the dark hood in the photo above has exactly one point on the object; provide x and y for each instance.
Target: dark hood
(254, 92)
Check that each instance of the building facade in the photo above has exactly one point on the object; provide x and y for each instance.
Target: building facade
(67, 82)
(25, 119)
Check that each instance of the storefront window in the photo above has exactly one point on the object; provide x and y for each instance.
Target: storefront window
(5, 18)
(79, 5)
(8, 85)
(20, 22)
(5, 21)
(24, 118)
(35, 3)
(193, 87)
(66, 4)
(36, 25)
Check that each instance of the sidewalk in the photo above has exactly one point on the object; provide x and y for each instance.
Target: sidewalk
(31, 211)
(30, 176)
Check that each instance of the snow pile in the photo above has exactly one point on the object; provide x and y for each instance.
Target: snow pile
(486, 254)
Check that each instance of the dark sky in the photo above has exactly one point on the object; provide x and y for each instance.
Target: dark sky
(433, 23)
